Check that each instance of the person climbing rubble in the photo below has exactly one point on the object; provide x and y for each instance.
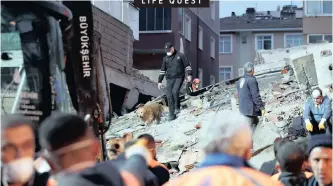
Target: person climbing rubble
(158, 169)
(320, 158)
(318, 113)
(173, 67)
(227, 149)
(193, 86)
(70, 148)
(249, 99)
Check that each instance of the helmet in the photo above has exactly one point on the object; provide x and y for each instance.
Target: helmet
(196, 80)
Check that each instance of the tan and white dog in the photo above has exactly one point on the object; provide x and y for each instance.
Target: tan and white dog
(151, 111)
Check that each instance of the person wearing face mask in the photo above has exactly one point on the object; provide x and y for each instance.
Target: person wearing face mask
(17, 153)
(173, 67)
(70, 148)
(318, 113)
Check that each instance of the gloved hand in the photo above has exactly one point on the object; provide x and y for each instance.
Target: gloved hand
(159, 85)
(189, 79)
(139, 148)
(309, 126)
(263, 112)
(321, 125)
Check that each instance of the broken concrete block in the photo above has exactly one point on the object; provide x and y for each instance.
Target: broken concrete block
(272, 117)
(281, 124)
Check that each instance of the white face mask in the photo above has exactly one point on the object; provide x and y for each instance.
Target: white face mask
(19, 171)
(169, 53)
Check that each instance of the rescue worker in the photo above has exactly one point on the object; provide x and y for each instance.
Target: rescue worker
(193, 86)
(318, 113)
(18, 152)
(290, 164)
(227, 143)
(161, 171)
(249, 99)
(173, 67)
(320, 158)
(70, 148)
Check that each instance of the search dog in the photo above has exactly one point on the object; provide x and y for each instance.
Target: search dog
(151, 111)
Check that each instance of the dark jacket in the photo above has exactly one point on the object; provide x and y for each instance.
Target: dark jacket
(174, 67)
(250, 102)
(291, 179)
(313, 113)
(103, 173)
(150, 179)
(313, 182)
(269, 168)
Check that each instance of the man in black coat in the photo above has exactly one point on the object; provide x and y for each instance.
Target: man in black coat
(250, 102)
(173, 67)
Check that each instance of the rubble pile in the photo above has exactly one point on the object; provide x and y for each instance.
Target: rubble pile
(180, 146)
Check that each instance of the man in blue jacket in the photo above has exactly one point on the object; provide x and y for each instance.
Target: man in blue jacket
(250, 102)
(318, 113)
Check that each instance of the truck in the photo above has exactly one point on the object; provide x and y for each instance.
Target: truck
(50, 62)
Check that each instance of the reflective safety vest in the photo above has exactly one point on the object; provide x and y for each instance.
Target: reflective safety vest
(277, 175)
(226, 176)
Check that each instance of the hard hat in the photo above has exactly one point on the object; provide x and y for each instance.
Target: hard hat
(196, 80)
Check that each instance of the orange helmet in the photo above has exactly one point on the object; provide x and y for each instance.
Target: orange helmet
(196, 81)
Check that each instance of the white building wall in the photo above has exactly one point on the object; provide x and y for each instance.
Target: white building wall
(123, 11)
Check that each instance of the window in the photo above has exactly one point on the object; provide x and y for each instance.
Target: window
(226, 44)
(225, 73)
(264, 42)
(154, 19)
(212, 10)
(318, 8)
(181, 20)
(291, 40)
(212, 47)
(200, 45)
(188, 25)
(317, 38)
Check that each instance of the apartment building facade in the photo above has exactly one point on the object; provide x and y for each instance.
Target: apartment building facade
(241, 36)
(193, 31)
(317, 20)
(118, 25)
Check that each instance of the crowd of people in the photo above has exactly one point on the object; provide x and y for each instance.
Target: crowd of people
(70, 147)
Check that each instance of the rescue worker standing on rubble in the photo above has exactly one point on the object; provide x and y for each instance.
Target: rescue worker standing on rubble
(318, 113)
(249, 99)
(173, 67)
(227, 143)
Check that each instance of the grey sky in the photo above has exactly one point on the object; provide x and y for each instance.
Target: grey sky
(239, 7)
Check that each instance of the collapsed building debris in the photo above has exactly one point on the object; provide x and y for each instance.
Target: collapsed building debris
(181, 138)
